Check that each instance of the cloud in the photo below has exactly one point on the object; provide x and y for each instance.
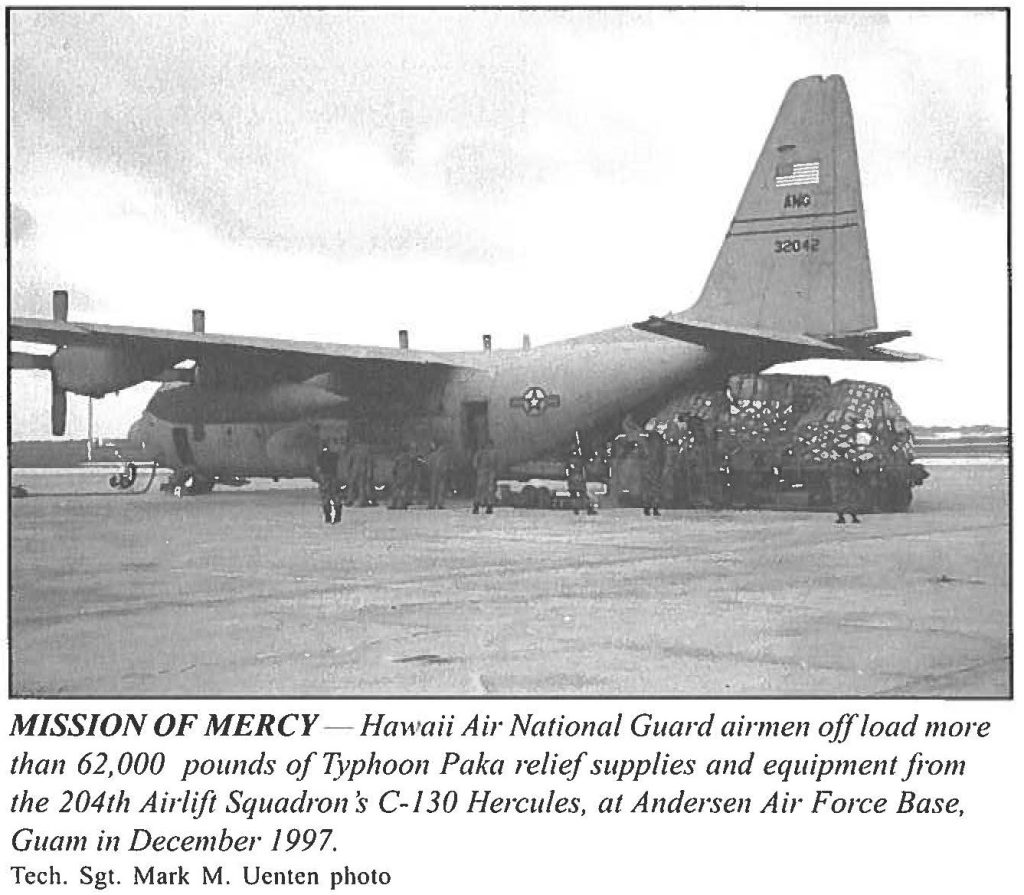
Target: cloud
(23, 225)
(936, 86)
(463, 172)
(218, 110)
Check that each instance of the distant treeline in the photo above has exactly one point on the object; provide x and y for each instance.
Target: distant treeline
(48, 453)
(958, 431)
(57, 454)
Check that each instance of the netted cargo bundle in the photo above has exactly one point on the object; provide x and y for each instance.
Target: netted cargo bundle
(709, 407)
(856, 421)
(798, 392)
(773, 440)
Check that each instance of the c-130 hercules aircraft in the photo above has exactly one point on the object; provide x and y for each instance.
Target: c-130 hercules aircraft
(792, 281)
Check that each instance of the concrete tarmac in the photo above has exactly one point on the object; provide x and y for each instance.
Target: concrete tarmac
(249, 593)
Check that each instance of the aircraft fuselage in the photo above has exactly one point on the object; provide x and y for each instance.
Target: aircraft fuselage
(529, 402)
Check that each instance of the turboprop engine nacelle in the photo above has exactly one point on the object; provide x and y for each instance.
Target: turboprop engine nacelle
(98, 370)
(283, 402)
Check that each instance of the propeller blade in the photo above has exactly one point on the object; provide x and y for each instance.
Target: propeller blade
(58, 407)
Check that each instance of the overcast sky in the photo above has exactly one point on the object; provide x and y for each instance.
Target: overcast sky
(341, 175)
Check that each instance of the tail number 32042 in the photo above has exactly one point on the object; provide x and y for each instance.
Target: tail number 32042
(792, 246)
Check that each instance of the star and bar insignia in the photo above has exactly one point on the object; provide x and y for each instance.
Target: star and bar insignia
(534, 401)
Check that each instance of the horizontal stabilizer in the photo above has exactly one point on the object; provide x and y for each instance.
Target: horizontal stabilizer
(867, 338)
(865, 345)
(741, 340)
(890, 354)
(758, 345)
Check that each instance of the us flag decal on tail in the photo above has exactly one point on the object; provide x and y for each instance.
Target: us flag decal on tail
(797, 173)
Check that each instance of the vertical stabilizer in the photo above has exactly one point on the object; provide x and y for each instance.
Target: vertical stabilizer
(795, 259)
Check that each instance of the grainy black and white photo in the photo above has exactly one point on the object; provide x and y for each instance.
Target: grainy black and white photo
(508, 352)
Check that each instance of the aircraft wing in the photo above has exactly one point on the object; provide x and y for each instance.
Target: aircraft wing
(140, 353)
(95, 359)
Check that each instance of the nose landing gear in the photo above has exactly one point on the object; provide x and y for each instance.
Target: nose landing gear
(126, 479)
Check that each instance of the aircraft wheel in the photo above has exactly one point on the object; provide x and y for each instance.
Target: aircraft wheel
(201, 485)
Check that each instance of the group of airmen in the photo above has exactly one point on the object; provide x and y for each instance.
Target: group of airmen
(689, 462)
(347, 479)
(696, 466)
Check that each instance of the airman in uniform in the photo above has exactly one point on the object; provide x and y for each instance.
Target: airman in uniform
(402, 472)
(723, 481)
(843, 486)
(344, 446)
(762, 477)
(684, 474)
(420, 476)
(437, 471)
(485, 465)
(576, 482)
(652, 452)
(709, 468)
(360, 474)
(698, 462)
(328, 485)
(872, 483)
(675, 437)
(740, 473)
(748, 472)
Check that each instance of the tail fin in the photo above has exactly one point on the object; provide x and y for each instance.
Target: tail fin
(795, 259)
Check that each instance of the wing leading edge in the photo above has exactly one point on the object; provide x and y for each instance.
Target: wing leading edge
(208, 346)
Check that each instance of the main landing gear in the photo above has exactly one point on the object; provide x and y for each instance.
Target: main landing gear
(187, 483)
